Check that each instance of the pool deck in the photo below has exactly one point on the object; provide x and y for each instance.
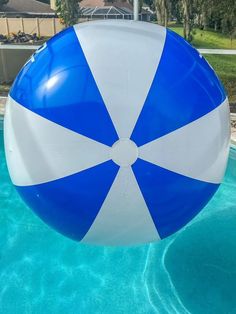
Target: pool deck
(2, 105)
(232, 115)
(233, 128)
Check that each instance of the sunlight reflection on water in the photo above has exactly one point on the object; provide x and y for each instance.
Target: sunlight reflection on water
(194, 271)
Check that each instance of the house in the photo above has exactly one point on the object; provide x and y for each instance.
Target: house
(26, 7)
(102, 9)
(29, 16)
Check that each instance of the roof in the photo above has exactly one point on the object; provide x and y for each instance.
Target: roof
(104, 3)
(104, 7)
(27, 6)
(105, 10)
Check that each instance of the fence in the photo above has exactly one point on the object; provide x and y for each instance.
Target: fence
(12, 58)
(41, 26)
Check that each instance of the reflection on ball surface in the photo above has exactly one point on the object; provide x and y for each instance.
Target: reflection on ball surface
(117, 132)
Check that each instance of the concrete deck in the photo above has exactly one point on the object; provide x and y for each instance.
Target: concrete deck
(233, 128)
(217, 51)
(232, 115)
(2, 105)
(201, 50)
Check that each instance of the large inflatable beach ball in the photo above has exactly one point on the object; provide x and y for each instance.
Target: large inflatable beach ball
(117, 132)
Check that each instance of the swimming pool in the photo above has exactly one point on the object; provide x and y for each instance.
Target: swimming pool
(193, 271)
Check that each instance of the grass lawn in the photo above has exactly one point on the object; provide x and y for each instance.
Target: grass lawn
(207, 39)
(225, 67)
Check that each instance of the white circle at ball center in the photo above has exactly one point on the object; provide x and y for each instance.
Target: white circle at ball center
(124, 152)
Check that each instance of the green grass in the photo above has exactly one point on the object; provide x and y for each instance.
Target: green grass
(225, 67)
(207, 39)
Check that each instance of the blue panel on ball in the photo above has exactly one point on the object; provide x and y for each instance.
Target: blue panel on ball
(184, 88)
(58, 84)
(71, 204)
(172, 199)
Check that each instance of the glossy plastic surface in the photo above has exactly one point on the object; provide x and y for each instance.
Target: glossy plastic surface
(117, 132)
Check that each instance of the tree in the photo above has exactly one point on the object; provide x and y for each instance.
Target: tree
(177, 10)
(219, 15)
(162, 11)
(188, 19)
(68, 11)
(228, 23)
(2, 2)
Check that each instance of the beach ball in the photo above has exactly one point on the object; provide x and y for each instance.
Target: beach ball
(117, 132)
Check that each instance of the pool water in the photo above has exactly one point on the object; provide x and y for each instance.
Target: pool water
(194, 271)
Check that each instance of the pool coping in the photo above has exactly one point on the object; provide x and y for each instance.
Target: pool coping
(233, 128)
(232, 116)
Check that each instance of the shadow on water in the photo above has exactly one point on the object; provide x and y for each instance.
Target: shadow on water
(194, 271)
(202, 264)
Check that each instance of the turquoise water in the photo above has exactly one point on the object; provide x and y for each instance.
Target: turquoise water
(193, 271)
